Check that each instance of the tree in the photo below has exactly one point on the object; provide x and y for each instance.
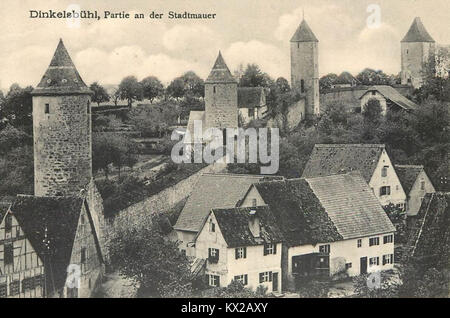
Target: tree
(152, 88)
(11, 137)
(176, 88)
(152, 261)
(193, 84)
(254, 77)
(16, 171)
(282, 85)
(369, 76)
(130, 89)
(17, 108)
(327, 81)
(100, 95)
(115, 95)
(372, 111)
(387, 288)
(398, 218)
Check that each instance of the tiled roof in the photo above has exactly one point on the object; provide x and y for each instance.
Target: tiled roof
(59, 215)
(234, 225)
(298, 212)
(325, 209)
(304, 34)
(220, 72)
(328, 159)
(213, 191)
(393, 95)
(351, 205)
(417, 33)
(61, 76)
(250, 97)
(408, 175)
(429, 237)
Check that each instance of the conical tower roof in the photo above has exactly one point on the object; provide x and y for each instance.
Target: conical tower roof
(220, 72)
(417, 33)
(304, 34)
(61, 77)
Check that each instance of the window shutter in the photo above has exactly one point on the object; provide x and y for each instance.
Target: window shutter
(265, 249)
(217, 254)
(261, 278)
(245, 252)
(245, 279)
(270, 276)
(209, 253)
(218, 281)
(275, 248)
(384, 259)
(236, 253)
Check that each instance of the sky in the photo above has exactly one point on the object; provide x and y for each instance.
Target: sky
(246, 31)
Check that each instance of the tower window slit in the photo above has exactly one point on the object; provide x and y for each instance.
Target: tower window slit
(47, 108)
(302, 85)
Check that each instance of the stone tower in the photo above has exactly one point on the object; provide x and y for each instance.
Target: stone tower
(305, 67)
(62, 129)
(221, 108)
(417, 48)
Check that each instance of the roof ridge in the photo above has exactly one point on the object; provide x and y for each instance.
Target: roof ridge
(348, 145)
(256, 176)
(408, 166)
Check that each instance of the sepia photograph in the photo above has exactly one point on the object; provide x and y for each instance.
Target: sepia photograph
(258, 151)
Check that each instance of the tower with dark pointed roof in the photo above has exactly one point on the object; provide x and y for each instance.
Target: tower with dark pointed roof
(305, 67)
(221, 101)
(417, 47)
(61, 129)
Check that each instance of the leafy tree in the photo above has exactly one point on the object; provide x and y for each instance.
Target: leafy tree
(424, 282)
(282, 85)
(327, 81)
(11, 137)
(17, 108)
(176, 88)
(369, 76)
(155, 120)
(314, 289)
(193, 84)
(115, 95)
(152, 261)
(17, 171)
(398, 218)
(387, 288)
(130, 89)
(372, 111)
(100, 95)
(152, 88)
(254, 77)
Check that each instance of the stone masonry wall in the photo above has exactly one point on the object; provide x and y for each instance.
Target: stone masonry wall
(414, 57)
(221, 110)
(163, 201)
(62, 144)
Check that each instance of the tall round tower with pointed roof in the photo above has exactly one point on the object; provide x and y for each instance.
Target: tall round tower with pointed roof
(305, 67)
(62, 129)
(417, 48)
(221, 110)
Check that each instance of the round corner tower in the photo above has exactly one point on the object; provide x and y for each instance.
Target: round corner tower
(417, 47)
(221, 101)
(305, 67)
(61, 129)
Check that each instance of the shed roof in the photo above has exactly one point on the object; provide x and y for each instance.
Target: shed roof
(328, 159)
(393, 95)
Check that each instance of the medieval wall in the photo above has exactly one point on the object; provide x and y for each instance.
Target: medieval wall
(62, 144)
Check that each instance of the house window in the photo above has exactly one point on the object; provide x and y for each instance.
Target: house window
(240, 252)
(270, 249)
(373, 92)
(242, 278)
(384, 171)
(422, 185)
(83, 255)
(265, 277)
(374, 261)
(324, 248)
(254, 202)
(213, 255)
(348, 265)
(8, 223)
(47, 108)
(9, 254)
(212, 226)
(388, 239)
(214, 280)
(385, 190)
(359, 242)
(374, 241)
(251, 113)
(388, 259)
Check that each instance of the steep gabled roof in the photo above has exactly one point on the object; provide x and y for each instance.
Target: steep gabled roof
(328, 159)
(304, 34)
(393, 95)
(351, 205)
(298, 212)
(429, 236)
(61, 77)
(250, 97)
(213, 191)
(54, 219)
(407, 175)
(234, 226)
(417, 33)
(220, 72)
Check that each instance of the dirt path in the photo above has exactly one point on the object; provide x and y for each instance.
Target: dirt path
(116, 286)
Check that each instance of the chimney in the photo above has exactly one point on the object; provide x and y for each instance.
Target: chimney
(253, 223)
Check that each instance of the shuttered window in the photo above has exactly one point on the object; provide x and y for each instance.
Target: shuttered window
(241, 252)
(242, 278)
(213, 255)
(270, 249)
(265, 277)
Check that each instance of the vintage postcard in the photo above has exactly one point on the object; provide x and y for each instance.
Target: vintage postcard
(250, 149)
